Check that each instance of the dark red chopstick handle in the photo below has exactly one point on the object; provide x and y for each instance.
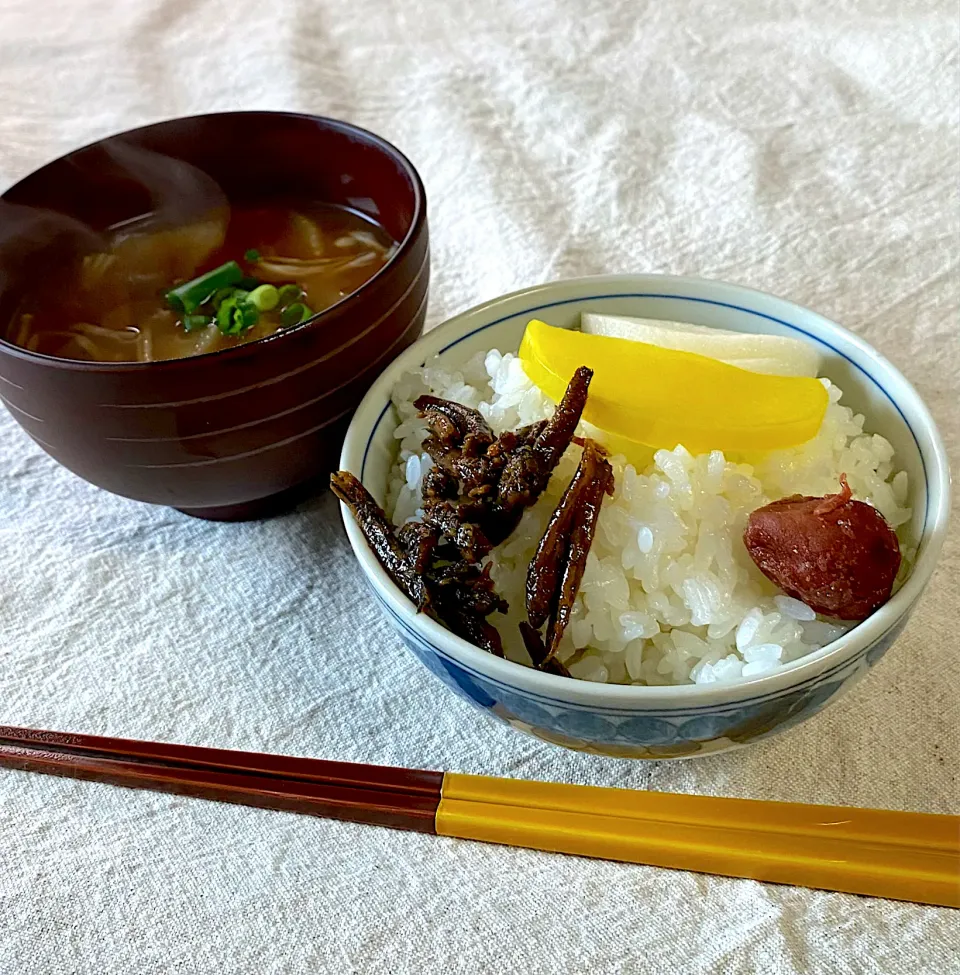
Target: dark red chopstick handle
(351, 803)
(354, 774)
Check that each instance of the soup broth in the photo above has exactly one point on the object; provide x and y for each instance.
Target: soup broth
(115, 306)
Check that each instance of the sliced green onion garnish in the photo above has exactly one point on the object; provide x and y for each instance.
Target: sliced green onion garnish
(294, 314)
(187, 298)
(266, 297)
(289, 293)
(219, 297)
(248, 284)
(252, 255)
(194, 322)
(237, 314)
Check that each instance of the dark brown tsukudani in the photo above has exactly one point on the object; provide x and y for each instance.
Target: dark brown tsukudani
(484, 483)
(463, 597)
(556, 569)
(444, 585)
(381, 536)
(528, 470)
(547, 563)
(472, 500)
(599, 484)
(535, 646)
(837, 555)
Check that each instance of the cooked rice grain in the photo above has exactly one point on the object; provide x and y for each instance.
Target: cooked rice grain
(669, 595)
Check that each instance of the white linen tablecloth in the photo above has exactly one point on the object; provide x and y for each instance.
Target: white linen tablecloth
(808, 149)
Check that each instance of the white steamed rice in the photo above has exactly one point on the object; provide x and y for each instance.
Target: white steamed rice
(669, 595)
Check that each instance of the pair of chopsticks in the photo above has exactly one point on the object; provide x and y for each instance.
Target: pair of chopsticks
(898, 855)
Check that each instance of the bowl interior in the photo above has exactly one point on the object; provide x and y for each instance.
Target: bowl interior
(870, 384)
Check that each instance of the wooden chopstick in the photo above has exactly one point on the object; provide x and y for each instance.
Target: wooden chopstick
(378, 795)
(900, 855)
(881, 853)
(306, 769)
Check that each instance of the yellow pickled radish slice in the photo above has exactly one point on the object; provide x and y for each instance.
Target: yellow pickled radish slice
(660, 397)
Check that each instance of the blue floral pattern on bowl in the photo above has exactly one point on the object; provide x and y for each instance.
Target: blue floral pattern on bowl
(673, 733)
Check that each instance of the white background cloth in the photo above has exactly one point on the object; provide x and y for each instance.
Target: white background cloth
(808, 149)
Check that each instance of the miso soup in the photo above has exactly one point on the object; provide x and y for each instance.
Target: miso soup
(221, 281)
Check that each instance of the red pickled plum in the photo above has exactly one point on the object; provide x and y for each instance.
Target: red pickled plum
(837, 555)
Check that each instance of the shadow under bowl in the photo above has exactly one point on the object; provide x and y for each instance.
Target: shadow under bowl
(243, 432)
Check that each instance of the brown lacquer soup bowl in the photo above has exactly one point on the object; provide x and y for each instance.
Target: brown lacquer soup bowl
(243, 431)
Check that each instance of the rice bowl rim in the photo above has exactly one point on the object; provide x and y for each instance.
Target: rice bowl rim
(811, 668)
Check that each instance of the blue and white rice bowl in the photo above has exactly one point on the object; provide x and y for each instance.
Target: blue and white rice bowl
(681, 650)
